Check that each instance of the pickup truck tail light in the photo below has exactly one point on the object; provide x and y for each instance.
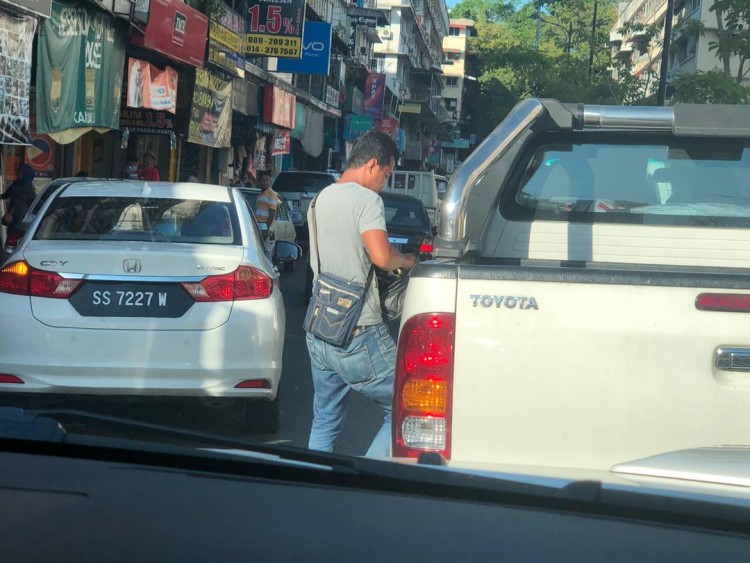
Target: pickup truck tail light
(727, 302)
(423, 398)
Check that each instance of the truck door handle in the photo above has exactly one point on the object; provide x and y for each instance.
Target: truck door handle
(732, 359)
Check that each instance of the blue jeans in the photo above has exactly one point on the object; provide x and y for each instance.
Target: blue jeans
(367, 365)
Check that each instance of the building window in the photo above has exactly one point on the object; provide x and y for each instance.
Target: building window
(454, 31)
(451, 80)
(450, 103)
(452, 55)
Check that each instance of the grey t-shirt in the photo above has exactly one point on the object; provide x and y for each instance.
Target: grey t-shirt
(343, 213)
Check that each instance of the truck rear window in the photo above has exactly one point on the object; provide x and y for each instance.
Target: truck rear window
(637, 180)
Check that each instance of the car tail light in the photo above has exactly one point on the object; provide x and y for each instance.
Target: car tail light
(8, 378)
(22, 279)
(11, 241)
(253, 384)
(244, 283)
(729, 302)
(423, 398)
(426, 248)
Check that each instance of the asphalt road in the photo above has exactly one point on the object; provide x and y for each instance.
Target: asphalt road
(223, 418)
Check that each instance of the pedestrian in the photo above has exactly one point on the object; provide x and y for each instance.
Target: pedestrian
(350, 235)
(194, 171)
(21, 194)
(149, 171)
(267, 202)
(131, 168)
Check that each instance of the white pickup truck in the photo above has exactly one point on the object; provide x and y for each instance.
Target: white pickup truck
(589, 300)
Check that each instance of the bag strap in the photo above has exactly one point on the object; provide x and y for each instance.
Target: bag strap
(317, 250)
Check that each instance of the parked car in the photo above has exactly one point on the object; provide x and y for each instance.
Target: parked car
(128, 288)
(41, 198)
(283, 227)
(420, 184)
(298, 188)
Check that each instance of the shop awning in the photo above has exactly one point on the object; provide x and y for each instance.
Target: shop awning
(425, 116)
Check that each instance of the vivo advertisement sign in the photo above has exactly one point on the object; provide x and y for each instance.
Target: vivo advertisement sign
(316, 51)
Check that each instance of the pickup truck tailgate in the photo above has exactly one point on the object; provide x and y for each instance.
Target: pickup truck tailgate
(599, 367)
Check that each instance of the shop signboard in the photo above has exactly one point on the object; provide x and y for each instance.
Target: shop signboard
(226, 37)
(211, 111)
(389, 125)
(356, 125)
(41, 8)
(316, 51)
(81, 62)
(170, 23)
(282, 142)
(146, 121)
(274, 28)
(278, 106)
(16, 40)
(149, 87)
(374, 95)
(40, 155)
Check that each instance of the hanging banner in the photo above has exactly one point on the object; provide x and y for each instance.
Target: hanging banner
(389, 125)
(81, 61)
(260, 159)
(274, 28)
(175, 30)
(226, 39)
(16, 40)
(316, 51)
(374, 95)
(282, 142)
(211, 112)
(278, 106)
(151, 88)
(149, 122)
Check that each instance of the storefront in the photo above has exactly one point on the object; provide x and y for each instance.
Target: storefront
(19, 20)
(164, 71)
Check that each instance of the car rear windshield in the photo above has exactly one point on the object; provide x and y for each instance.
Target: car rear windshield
(636, 179)
(301, 182)
(405, 213)
(140, 219)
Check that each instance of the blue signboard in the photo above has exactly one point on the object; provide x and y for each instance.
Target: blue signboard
(316, 51)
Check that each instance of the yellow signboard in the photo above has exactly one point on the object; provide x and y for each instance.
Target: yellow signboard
(411, 108)
(268, 46)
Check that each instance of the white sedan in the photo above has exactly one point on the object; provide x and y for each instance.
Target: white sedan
(133, 288)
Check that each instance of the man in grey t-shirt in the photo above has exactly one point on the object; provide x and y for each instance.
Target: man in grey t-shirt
(351, 237)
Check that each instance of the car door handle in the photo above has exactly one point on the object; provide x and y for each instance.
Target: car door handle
(732, 359)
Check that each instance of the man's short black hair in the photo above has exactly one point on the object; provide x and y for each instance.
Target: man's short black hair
(263, 174)
(373, 144)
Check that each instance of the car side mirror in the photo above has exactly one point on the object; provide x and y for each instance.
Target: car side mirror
(434, 231)
(286, 251)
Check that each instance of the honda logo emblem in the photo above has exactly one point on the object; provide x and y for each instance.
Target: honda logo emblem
(131, 266)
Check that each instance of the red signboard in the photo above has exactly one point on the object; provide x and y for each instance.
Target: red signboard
(389, 125)
(170, 22)
(278, 106)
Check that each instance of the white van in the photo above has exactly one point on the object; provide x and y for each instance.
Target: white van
(420, 184)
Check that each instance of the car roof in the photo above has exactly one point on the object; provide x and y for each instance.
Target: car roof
(133, 188)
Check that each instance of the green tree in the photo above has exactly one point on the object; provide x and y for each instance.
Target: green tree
(712, 87)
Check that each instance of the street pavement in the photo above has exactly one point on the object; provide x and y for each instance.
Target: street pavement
(221, 417)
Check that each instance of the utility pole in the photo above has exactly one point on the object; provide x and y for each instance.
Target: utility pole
(538, 24)
(662, 92)
(593, 39)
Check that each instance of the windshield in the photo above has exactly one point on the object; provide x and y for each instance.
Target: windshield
(302, 182)
(578, 297)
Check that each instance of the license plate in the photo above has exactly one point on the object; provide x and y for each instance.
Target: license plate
(114, 299)
(398, 240)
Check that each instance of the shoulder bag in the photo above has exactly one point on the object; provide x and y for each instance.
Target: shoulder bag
(335, 304)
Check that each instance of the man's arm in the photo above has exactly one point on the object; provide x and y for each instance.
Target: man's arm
(271, 215)
(382, 253)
